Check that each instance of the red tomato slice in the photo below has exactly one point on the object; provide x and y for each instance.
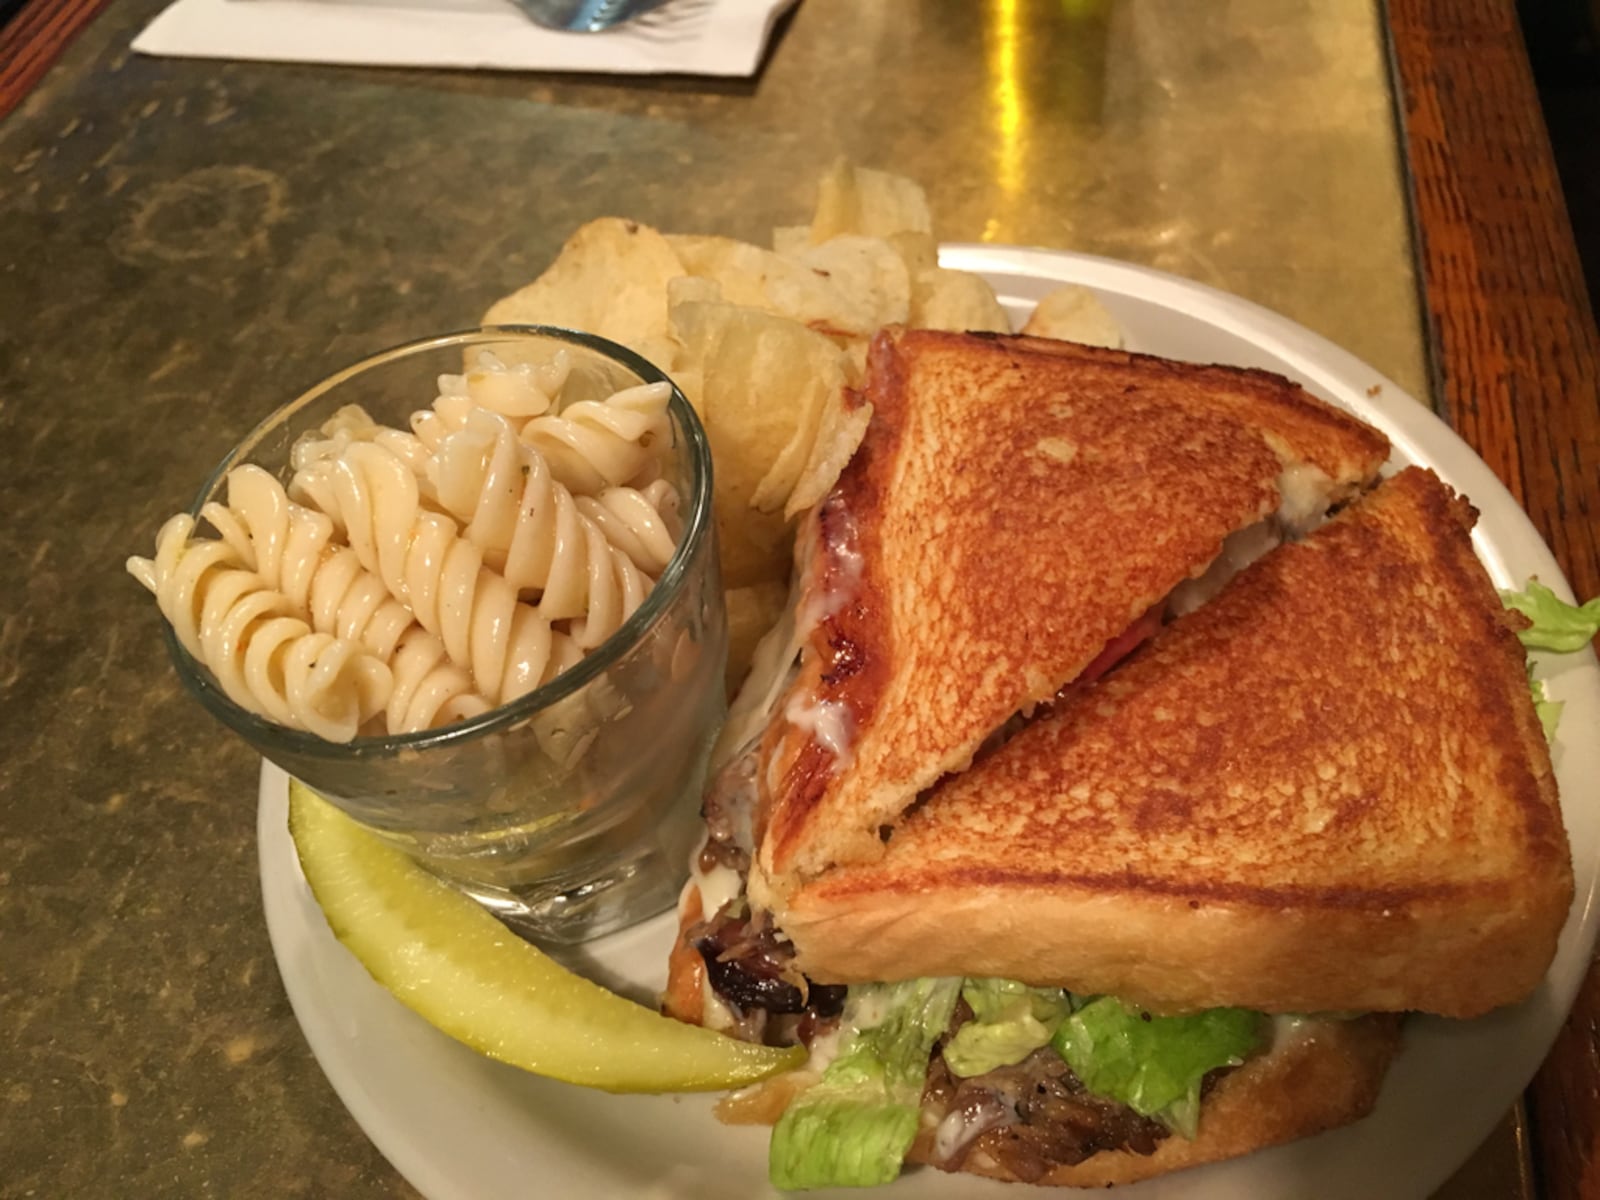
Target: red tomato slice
(1124, 644)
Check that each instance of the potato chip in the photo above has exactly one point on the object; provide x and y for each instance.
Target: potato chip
(838, 437)
(789, 240)
(753, 547)
(854, 199)
(611, 279)
(762, 384)
(956, 300)
(763, 403)
(868, 270)
(757, 278)
(688, 289)
(1075, 314)
(752, 611)
(917, 250)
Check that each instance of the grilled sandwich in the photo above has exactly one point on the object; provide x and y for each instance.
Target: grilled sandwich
(1327, 791)
(969, 831)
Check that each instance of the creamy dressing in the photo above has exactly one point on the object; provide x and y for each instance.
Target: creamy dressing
(869, 1008)
(824, 1049)
(717, 886)
(714, 1010)
(960, 1126)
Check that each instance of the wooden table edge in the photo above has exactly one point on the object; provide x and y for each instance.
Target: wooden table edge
(1515, 360)
(33, 39)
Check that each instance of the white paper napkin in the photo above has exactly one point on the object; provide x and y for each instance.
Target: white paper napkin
(695, 37)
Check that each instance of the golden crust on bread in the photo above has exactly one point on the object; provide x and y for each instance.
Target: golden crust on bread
(1325, 1074)
(1016, 504)
(1325, 790)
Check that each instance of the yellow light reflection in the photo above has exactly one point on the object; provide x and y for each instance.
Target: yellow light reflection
(1006, 100)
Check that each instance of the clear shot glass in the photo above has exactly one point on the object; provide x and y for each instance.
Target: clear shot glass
(571, 811)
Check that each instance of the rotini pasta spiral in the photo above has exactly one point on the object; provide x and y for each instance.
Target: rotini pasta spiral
(509, 647)
(641, 522)
(290, 546)
(595, 444)
(517, 393)
(587, 560)
(264, 657)
(312, 456)
(352, 423)
(429, 689)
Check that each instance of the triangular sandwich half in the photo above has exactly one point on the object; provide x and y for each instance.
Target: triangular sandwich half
(1020, 513)
(1326, 790)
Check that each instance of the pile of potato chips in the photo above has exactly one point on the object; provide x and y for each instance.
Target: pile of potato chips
(764, 344)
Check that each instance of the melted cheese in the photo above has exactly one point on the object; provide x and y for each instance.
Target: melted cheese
(1304, 494)
(841, 566)
(828, 722)
(1239, 549)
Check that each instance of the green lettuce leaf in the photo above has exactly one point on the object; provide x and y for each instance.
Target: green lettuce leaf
(1549, 710)
(854, 1126)
(1154, 1065)
(1557, 625)
(1010, 1021)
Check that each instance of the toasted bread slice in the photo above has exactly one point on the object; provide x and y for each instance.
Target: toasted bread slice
(1327, 790)
(1017, 504)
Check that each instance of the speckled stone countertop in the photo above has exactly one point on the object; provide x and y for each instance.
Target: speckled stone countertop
(185, 245)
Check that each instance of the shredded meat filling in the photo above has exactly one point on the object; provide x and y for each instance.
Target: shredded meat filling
(1029, 1118)
(749, 964)
(750, 967)
(729, 808)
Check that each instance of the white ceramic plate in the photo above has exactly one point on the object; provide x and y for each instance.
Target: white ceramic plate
(461, 1127)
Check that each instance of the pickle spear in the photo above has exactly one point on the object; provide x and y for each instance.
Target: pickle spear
(448, 960)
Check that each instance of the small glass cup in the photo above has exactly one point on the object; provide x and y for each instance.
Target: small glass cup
(571, 811)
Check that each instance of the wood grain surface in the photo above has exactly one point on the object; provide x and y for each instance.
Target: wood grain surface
(1517, 359)
(33, 39)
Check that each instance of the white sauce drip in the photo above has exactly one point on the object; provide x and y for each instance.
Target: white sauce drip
(714, 1011)
(958, 1127)
(717, 886)
(841, 565)
(826, 721)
